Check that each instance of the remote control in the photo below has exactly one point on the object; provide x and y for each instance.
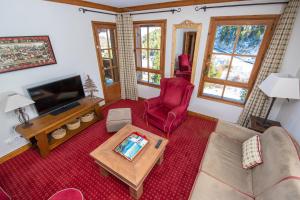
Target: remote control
(158, 143)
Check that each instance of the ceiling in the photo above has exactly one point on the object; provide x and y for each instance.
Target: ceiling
(127, 3)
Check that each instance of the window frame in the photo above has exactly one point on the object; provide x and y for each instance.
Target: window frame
(269, 20)
(162, 24)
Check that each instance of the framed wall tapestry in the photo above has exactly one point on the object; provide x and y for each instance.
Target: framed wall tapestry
(18, 53)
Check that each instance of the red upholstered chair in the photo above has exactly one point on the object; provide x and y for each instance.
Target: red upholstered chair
(169, 109)
(67, 194)
(185, 67)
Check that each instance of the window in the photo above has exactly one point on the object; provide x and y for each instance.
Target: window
(149, 43)
(235, 49)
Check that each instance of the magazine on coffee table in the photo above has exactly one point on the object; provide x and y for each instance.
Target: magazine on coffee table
(131, 145)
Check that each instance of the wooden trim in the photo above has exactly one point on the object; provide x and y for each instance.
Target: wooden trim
(190, 25)
(269, 20)
(172, 4)
(202, 116)
(163, 24)
(88, 4)
(14, 153)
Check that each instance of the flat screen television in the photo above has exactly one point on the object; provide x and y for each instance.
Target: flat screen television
(55, 95)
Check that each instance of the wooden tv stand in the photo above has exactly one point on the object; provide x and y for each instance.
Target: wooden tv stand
(46, 124)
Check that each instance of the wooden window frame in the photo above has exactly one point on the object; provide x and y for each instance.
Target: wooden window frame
(269, 20)
(161, 23)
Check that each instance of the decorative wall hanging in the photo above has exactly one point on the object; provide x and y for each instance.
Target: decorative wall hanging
(18, 53)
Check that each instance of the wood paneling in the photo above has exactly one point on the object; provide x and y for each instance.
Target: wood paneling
(14, 153)
(88, 4)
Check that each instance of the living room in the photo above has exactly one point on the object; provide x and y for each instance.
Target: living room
(196, 79)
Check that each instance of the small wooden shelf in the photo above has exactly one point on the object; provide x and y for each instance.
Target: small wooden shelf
(53, 143)
(45, 125)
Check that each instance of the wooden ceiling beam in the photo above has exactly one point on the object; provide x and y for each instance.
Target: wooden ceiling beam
(88, 4)
(173, 4)
(141, 7)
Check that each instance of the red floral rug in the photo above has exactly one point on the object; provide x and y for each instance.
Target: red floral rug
(30, 177)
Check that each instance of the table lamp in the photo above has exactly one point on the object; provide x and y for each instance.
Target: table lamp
(17, 103)
(278, 85)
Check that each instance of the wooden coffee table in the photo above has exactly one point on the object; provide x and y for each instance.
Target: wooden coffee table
(133, 173)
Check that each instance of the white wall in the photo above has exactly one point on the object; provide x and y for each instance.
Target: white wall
(289, 114)
(72, 40)
(207, 107)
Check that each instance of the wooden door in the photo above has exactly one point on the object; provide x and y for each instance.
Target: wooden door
(105, 36)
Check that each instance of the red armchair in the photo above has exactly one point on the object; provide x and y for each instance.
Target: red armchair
(169, 109)
(185, 67)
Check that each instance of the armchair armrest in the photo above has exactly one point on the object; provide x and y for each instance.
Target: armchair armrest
(151, 103)
(172, 115)
(234, 131)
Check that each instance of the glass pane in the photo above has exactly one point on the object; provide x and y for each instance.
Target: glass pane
(219, 66)
(250, 39)
(106, 63)
(144, 37)
(111, 38)
(105, 54)
(154, 59)
(235, 94)
(141, 58)
(116, 74)
(114, 58)
(138, 37)
(212, 89)
(154, 78)
(241, 69)
(108, 77)
(154, 37)
(224, 39)
(103, 39)
(142, 76)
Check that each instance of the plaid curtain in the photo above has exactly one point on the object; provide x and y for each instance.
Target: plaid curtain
(128, 78)
(258, 103)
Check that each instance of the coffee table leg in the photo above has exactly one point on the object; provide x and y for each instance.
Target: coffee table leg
(103, 172)
(161, 159)
(136, 193)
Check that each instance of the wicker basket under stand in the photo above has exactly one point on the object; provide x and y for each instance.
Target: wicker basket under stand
(59, 133)
(88, 117)
(73, 125)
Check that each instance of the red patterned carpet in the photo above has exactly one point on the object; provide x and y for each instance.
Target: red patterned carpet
(30, 177)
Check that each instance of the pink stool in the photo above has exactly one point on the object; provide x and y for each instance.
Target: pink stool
(67, 194)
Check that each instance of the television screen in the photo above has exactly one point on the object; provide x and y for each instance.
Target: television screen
(52, 96)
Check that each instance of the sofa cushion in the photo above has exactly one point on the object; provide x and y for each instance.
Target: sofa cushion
(252, 152)
(288, 189)
(223, 160)
(280, 160)
(208, 188)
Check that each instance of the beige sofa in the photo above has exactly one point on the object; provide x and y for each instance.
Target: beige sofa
(222, 177)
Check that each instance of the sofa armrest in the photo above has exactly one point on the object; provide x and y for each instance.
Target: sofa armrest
(151, 103)
(234, 131)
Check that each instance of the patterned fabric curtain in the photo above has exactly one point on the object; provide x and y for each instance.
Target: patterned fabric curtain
(126, 57)
(258, 103)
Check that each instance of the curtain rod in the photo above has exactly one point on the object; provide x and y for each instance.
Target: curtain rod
(204, 8)
(83, 10)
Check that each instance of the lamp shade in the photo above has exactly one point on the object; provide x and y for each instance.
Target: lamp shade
(15, 101)
(281, 86)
